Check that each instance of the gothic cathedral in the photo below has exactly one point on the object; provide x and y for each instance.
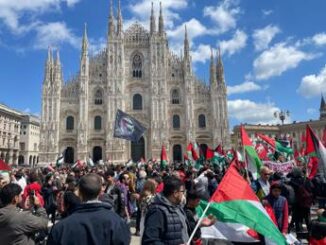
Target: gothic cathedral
(138, 74)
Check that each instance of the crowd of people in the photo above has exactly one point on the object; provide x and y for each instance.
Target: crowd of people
(96, 205)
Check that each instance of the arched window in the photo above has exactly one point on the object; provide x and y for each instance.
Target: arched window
(98, 97)
(175, 97)
(176, 121)
(137, 103)
(202, 121)
(97, 123)
(137, 66)
(70, 123)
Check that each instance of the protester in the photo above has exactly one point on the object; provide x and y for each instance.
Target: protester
(318, 229)
(279, 205)
(92, 222)
(165, 221)
(261, 186)
(18, 227)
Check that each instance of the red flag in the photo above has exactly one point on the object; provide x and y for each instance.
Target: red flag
(194, 154)
(303, 137)
(209, 153)
(314, 148)
(4, 166)
(219, 150)
(313, 166)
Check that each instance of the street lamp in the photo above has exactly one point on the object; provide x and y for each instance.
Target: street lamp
(282, 115)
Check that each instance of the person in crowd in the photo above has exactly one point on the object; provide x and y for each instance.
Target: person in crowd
(125, 194)
(193, 200)
(261, 186)
(18, 227)
(279, 205)
(146, 198)
(19, 178)
(139, 188)
(317, 233)
(304, 199)
(49, 191)
(92, 222)
(33, 188)
(165, 221)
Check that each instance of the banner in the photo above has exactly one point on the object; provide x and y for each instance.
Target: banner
(284, 167)
(127, 127)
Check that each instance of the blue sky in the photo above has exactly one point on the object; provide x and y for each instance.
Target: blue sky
(273, 51)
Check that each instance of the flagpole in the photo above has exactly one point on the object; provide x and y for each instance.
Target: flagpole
(198, 224)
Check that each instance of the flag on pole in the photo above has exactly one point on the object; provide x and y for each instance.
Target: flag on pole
(164, 158)
(90, 162)
(127, 127)
(77, 164)
(237, 208)
(315, 148)
(209, 153)
(60, 159)
(254, 163)
(275, 144)
(189, 151)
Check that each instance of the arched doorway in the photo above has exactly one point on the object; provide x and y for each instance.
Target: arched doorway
(69, 155)
(177, 153)
(203, 148)
(21, 160)
(138, 150)
(97, 154)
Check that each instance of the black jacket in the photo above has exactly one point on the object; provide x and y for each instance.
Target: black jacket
(91, 223)
(163, 225)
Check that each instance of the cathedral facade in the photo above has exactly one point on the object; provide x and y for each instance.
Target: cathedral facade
(138, 74)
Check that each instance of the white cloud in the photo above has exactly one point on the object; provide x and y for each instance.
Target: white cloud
(54, 34)
(278, 59)
(224, 14)
(202, 53)
(243, 88)
(311, 111)
(267, 12)
(12, 11)
(313, 85)
(319, 39)
(247, 111)
(262, 37)
(234, 45)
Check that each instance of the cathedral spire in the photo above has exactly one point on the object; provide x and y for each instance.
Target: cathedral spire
(220, 69)
(161, 21)
(48, 66)
(186, 44)
(119, 22)
(322, 108)
(57, 60)
(111, 20)
(85, 42)
(153, 25)
(212, 71)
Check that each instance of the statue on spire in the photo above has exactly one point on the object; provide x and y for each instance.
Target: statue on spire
(85, 42)
(111, 20)
(119, 22)
(153, 25)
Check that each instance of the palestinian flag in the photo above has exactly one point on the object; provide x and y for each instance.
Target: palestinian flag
(60, 160)
(239, 212)
(315, 148)
(209, 153)
(275, 144)
(195, 151)
(4, 166)
(164, 158)
(189, 151)
(77, 164)
(254, 163)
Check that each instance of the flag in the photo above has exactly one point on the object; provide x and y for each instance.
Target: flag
(195, 151)
(254, 163)
(90, 162)
(60, 159)
(127, 127)
(276, 144)
(315, 148)
(4, 166)
(189, 151)
(236, 207)
(77, 164)
(220, 150)
(209, 153)
(164, 158)
(261, 151)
